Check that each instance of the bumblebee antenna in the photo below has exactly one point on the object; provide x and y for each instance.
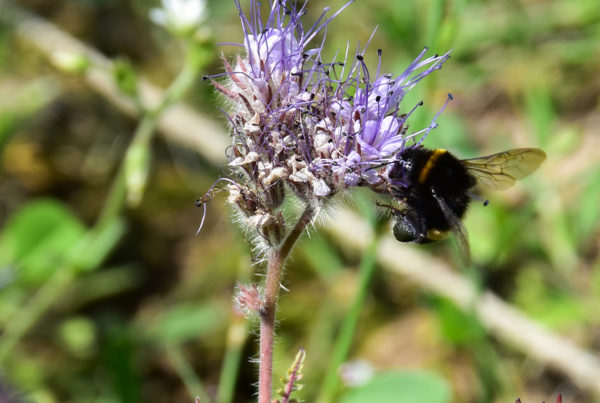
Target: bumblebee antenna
(381, 165)
(478, 198)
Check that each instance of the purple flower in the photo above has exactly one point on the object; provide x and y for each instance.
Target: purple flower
(306, 125)
(375, 119)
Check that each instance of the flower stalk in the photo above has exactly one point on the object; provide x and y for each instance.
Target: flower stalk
(275, 267)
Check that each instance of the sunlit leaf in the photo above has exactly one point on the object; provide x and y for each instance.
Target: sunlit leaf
(187, 322)
(37, 238)
(401, 387)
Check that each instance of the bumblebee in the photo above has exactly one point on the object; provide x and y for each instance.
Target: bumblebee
(435, 189)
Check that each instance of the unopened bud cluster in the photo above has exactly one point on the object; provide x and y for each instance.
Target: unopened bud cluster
(248, 299)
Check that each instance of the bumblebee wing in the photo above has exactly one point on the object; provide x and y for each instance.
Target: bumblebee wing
(458, 228)
(500, 171)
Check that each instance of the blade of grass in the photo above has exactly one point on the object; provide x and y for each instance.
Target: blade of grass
(237, 334)
(187, 374)
(236, 338)
(344, 340)
(434, 22)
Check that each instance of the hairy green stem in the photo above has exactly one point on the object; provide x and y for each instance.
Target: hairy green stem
(277, 259)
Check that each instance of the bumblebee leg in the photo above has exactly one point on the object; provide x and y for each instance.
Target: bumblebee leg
(396, 210)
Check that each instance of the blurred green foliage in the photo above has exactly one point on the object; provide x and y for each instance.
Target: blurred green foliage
(37, 238)
(400, 387)
(143, 309)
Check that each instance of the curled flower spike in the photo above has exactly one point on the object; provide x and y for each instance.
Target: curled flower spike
(308, 126)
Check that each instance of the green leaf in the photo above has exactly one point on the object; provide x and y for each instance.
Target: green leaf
(17, 108)
(456, 137)
(188, 322)
(366, 206)
(78, 335)
(586, 218)
(38, 237)
(401, 387)
(322, 257)
(552, 307)
(456, 326)
(92, 249)
(125, 76)
(538, 103)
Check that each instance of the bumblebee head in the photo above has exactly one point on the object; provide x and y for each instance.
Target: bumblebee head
(412, 227)
(406, 227)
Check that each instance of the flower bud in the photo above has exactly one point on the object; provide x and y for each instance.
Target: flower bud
(137, 166)
(181, 17)
(71, 62)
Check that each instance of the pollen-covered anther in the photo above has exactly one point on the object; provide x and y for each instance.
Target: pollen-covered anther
(251, 129)
(236, 162)
(255, 120)
(321, 139)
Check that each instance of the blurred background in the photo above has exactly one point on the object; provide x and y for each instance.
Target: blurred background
(140, 309)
